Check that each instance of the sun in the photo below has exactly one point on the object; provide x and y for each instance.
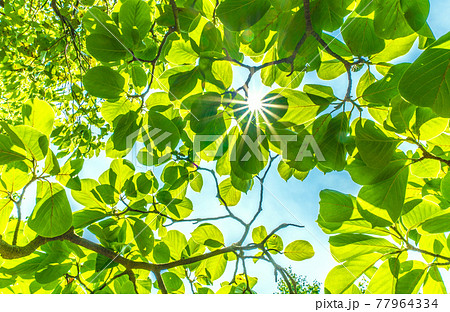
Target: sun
(254, 103)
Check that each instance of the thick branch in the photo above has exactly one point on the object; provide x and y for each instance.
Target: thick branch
(426, 154)
(161, 284)
(307, 11)
(129, 264)
(8, 251)
(175, 15)
(410, 247)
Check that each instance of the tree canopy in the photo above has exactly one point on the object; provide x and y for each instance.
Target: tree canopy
(151, 83)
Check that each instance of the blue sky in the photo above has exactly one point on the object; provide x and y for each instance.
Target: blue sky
(291, 202)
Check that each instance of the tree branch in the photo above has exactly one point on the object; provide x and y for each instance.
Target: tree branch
(161, 285)
(175, 15)
(19, 211)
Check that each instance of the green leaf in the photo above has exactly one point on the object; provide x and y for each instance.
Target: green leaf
(104, 82)
(205, 118)
(103, 263)
(259, 234)
(15, 176)
(51, 163)
(139, 76)
(8, 151)
(52, 215)
(420, 211)
(427, 168)
(241, 185)
(223, 73)
(67, 176)
(214, 267)
(126, 130)
(98, 22)
(395, 48)
(389, 20)
(238, 15)
(181, 53)
(299, 250)
(400, 18)
(162, 132)
(335, 206)
(284, 5)
(416, 12)
(365, 175)
(87, 216)
(385, 278)
(364, 82)
(161, 253)
(111, 110)
(164, 197)
(135, 19)
(328, 14)
(357, 225)
(341, 277)
(6, 207)
(347, 246)
(285, 171)
(105, 48)
(173, 283)
(39, 115)
(85, 197)
(196, 182)
(149, 50)
(445, 187)
(230, 195)
(301, 107)
(211, 39)
(208, 235)
(143, 236)
(383, 91)
(176, 241)
(293, 24)
(429, 128)
(411, 277)
(320, 92)
(426, 82)
(359, 35)
(274, 244)
(381, 203)
(120, 171)
(436, 224)
(180, 210)
(182, 84)
(52, 272)
(401, 114)
(241, 281)
(272, 74)
(33, 141)
(252, 151)
(275, 107)
(375, 147)
(332, 144)
(434, 283)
